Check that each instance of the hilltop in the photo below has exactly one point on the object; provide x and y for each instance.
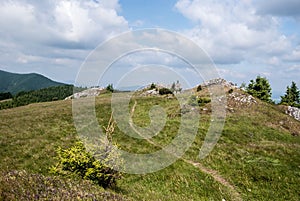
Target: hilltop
(14, 83)
(256, 158)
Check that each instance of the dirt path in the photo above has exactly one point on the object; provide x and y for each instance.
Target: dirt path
(217, 177)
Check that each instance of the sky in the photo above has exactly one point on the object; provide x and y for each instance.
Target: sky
(244, 38)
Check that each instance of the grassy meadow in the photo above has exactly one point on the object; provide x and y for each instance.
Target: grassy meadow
(256, 158)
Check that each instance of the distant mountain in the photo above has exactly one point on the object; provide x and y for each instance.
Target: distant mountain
(14, 83)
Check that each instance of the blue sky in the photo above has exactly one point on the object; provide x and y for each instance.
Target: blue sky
(244, 38)
(152, 14)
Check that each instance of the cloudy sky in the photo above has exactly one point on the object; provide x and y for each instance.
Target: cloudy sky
(244, 38)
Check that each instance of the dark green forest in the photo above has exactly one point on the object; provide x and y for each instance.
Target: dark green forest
(15, 83)
(5, 95)
(42, 95)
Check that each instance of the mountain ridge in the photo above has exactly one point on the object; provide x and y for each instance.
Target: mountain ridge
(16, 82)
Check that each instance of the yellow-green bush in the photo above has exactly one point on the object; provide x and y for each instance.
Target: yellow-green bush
(76, 161)
(203, 100)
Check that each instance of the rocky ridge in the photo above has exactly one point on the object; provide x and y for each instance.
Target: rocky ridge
(92, 92)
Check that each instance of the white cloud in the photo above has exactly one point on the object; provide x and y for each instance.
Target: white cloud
(75, 21)
(230, 73)
(55, 31)
(294, 56)
(231, 31)
(24, 59)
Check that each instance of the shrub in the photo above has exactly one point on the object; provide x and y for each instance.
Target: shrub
(165, 91)
(199, 88)
(230, 91)
(152, 86)
(110, 88)
(77, 161)
(203, 101)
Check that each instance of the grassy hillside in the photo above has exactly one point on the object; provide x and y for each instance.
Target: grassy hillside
(256, 158)
(14, 83)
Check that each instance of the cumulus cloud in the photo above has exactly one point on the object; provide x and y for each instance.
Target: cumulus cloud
(232, 31)
(55, 31)
(74, 24)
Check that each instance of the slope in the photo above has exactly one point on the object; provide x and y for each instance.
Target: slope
(256, 158)
(14, 83)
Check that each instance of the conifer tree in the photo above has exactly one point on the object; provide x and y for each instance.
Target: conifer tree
(260, 88)
(292, 96)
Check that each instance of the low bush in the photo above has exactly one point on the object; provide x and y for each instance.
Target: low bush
(77, 161)
(199, 88)
(152, 86)
(203, 100)
(165, 91)
(110, 88)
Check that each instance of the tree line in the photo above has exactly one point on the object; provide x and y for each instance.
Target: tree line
(42, 95)
(261, 88)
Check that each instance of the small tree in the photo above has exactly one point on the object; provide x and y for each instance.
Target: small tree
(178, 87)
(173, 87)
(110, 88)
(260, 88)
(165, 91)
(152, 86)
(292, 96)
(199, 88)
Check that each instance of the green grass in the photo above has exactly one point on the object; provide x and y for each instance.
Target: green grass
(258, 156)
(29, 135)
(20, 185)
(180, 181)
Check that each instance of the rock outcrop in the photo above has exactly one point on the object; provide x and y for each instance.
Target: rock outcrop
(242, 99)
(92, 92)
(218, 81)
(294, 112)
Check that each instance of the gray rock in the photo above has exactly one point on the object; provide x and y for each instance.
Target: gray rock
(92, 92)
(293, 112)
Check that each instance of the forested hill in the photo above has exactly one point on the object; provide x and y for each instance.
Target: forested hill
(15, 83)
(41, 95)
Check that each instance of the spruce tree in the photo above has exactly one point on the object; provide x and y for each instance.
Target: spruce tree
(260, 88)
(292, 96)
